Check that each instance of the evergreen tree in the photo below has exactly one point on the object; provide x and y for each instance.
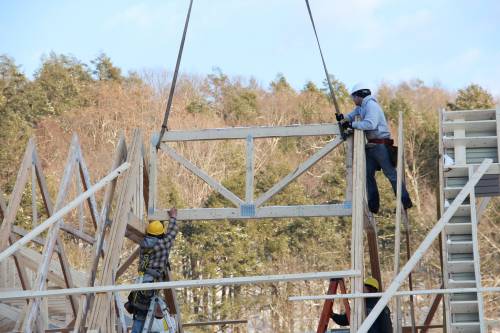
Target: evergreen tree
(472, 97)
(66, 82)
(104, 70)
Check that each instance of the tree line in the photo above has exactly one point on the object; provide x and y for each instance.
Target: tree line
(98, 102)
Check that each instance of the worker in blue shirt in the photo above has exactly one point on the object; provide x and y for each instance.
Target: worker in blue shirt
(378, 153)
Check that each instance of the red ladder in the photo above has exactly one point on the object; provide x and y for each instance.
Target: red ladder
(327, 307)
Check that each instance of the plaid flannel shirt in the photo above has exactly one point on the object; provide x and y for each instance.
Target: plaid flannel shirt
(161, 250)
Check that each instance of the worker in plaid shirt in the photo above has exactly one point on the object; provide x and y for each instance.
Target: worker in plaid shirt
(156, 246)
(153, 265)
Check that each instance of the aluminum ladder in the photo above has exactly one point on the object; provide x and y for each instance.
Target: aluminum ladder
(466, 138)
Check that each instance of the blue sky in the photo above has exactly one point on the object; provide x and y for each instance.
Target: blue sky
(448, 42)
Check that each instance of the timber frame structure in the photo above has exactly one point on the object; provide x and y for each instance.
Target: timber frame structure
(130, 199)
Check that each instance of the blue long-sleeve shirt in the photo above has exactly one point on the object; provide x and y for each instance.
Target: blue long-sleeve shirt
(372, 121)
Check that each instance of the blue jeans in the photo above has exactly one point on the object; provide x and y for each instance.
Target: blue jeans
(377, 157)
(138, 326)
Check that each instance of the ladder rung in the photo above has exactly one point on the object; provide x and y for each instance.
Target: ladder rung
(470, 115)
(465, 318)
(464, 307)
(461, 257)
(471, 142)
(462, 279)
(465, 327)
(477, 125)
(460, 266)
(463, 210)
(458, 228)
(463, 297)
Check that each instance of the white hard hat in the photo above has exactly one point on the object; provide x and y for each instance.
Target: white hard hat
(359, 86)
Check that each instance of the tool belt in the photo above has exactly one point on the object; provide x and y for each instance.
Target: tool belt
(388, 142)
(139, 300)
(393, 150)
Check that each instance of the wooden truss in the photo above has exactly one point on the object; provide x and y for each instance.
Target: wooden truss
(122, 215)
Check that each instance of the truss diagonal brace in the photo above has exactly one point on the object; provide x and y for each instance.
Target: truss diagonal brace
(298, 171)
(202, 175)
(65, 210)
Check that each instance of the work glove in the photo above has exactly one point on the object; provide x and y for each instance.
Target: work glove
(339, 116)
(172, 213)
(345, 124)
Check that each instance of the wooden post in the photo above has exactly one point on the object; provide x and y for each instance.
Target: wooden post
(372, 239)
(153, 169)
(15, 197)
(349, 142)
(249, 170)
(357, 253)
(397, 235)
(34, 210)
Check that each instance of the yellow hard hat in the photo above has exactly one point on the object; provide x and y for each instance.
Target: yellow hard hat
(155, 228)
(372, 282)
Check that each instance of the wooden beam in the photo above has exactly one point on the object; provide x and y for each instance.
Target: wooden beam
(34, 209)
(249, 170)
(216, 323)
(31, 259)
(303, 167)
(399, 210)
(16, 196)
(261, 212)
(59, 214)
(11, 295)
(406, 225)
(52, 238)
(126, 264)
(372, 239)
(349, 143)
(119, 157)
(358, 206)
(65, 266)
(257, 132)
(153, 169)
(83, 174)
(171, 299)
(427, 242)
(77, 233)
(203, 176)
(3, 205)
(432, 310)
(397, 293)
(102, 315)
(21, 269)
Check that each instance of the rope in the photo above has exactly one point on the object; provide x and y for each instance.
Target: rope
(332, 94)
(174, 79)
